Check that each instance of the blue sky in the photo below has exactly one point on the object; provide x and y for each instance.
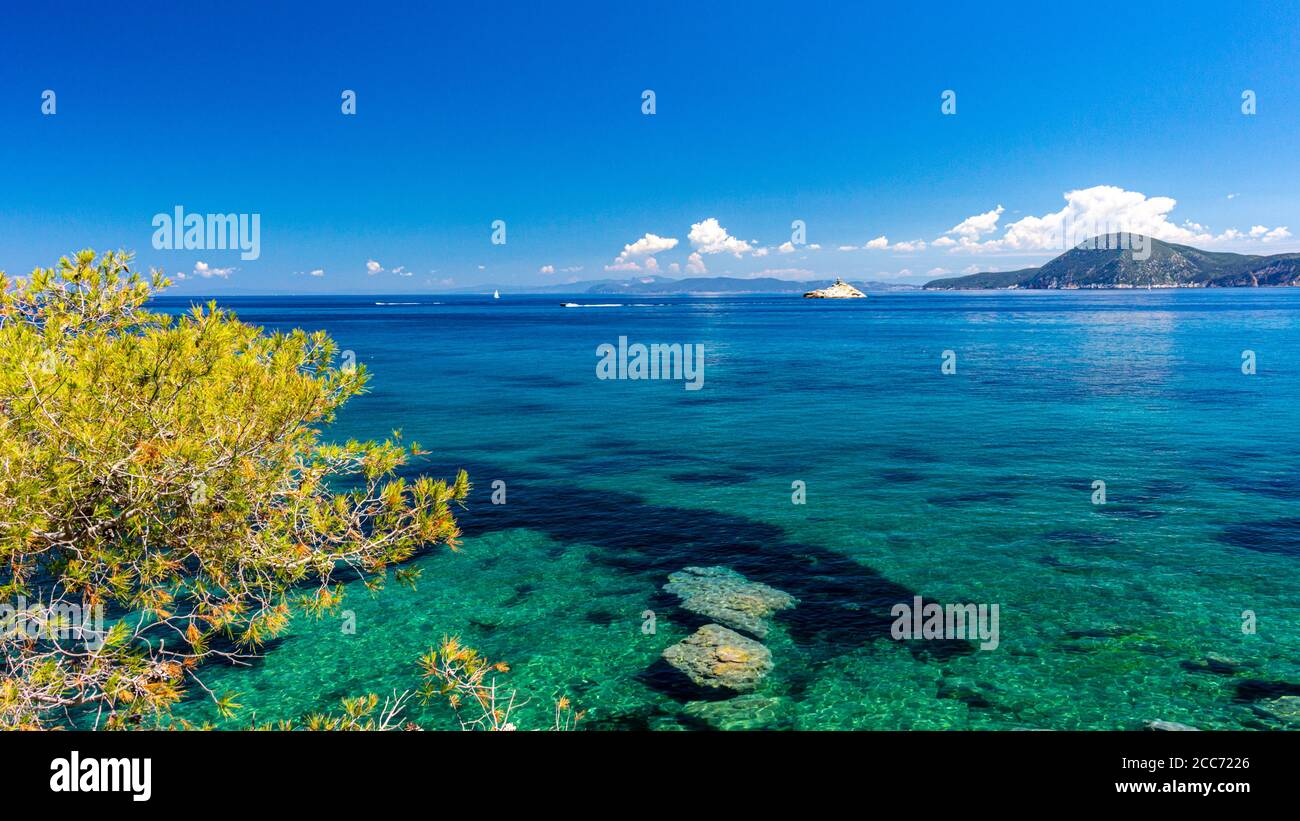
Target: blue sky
(765, 114)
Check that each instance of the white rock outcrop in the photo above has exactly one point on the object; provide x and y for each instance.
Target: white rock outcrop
(840, 290)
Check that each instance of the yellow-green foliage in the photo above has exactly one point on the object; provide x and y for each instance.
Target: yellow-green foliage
(172, 471)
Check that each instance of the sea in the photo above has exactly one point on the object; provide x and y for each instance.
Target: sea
(1117, 471)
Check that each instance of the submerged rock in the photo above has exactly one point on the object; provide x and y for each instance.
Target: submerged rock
(1285, 708)
(747, 712)
(714, 656)
(725, 596)
(1170, 726)
(839, 290)
(1214, 663)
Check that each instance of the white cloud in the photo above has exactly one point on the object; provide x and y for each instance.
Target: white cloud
(647, 245)
(1233, 196)
(848, 248)
(762, 252)
(202, 269)
(878, 243)
(373, 268)
(546, 269)
(1090, 212)
(675, 268)
(1262, 233)
(709, 237)
(972, 228)
(401, 271)
(789, 248)
(909, 247)
(695, 264)
(316, 272)
(935, 272)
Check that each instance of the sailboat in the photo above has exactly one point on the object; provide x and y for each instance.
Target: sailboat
(496, 294)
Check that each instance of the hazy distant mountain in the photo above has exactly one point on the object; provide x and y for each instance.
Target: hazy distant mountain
(1113, 265)
(667, 286)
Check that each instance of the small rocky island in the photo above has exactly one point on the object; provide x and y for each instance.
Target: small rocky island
(840, 290)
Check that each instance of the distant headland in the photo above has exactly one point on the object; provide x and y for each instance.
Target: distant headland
(1110, 261)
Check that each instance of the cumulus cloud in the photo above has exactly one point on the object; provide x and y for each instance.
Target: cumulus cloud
(695, 264)
(1263, 234)
(373, 268)
(202, 269)
(789, 247)
(647, 245)
(878, 243)
(977, 226)
(316, 272)
(643, 247)
(1090, 212)
(709, 237)
(546, 269)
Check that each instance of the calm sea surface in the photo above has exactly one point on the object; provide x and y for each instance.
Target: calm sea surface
(971, 487)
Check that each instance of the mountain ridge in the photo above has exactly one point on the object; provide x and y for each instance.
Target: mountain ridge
(1112, 261)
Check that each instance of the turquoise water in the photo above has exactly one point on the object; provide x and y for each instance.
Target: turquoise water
(970, 487)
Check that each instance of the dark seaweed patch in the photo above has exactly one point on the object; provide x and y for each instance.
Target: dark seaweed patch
(1255, 689)
(973, 498)
(651, 541)
(1271, 536)
(901, 476)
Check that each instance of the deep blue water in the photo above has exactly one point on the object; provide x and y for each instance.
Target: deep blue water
(968, 487)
